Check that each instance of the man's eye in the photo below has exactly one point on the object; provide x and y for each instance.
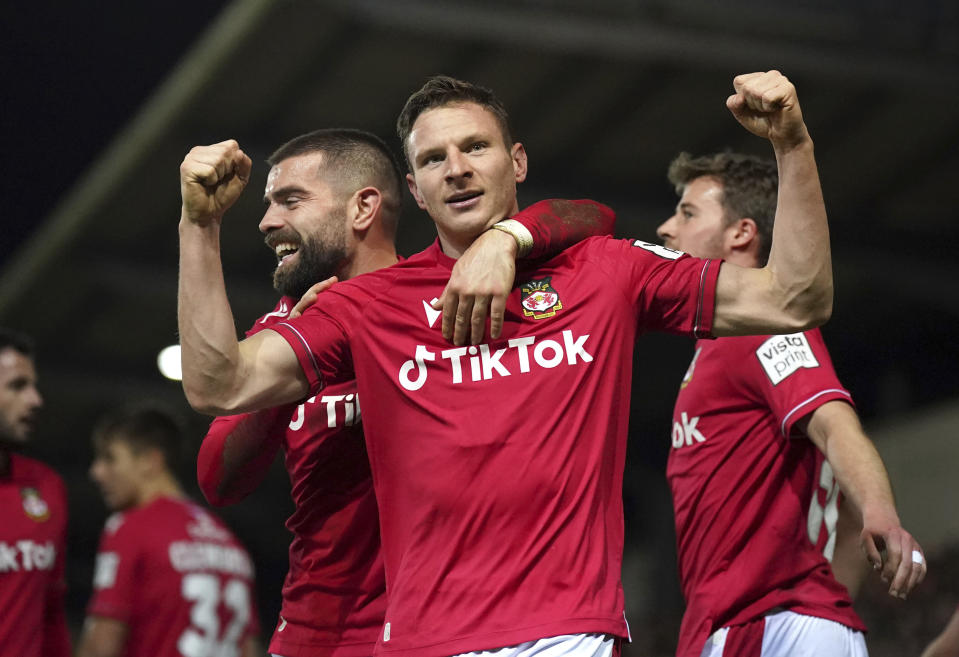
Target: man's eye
(478, 146)
(433, 159)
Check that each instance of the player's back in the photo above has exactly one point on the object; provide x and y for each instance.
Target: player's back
(178, 578)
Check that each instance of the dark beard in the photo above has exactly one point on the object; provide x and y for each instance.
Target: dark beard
(315, 265)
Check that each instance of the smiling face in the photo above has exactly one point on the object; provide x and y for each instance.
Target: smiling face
(19, 398)
(463, 173)
(305, 224)
(698, 227)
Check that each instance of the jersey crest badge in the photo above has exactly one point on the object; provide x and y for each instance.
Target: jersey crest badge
(34, 506)
(540, 300)
(689, 371)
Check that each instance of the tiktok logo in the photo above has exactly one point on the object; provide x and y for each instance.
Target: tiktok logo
(341, 410)
(685, 432)
(484, 363)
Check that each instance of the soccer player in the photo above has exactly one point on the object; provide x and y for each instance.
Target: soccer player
(334, 595)
(749, 418)
(33, 519)
(170, 580)
(498, 466)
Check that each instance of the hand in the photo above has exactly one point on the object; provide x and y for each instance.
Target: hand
(481, 280)
(766, 104)
(211, 179)
(898, 569)
(309, 298)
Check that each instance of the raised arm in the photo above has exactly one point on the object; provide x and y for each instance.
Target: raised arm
(483, 276)
(220, 374)
(237, 452)
(835, 429)
(793, 291)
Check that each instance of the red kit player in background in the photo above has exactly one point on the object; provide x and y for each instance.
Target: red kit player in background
(752, 417)
(497, 466)
(33, 519)
(170, 579)
(334, 593)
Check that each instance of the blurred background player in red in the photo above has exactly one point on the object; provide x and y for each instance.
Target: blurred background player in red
(334, 199)
(744, 469)
(170, 579)
(33, 518)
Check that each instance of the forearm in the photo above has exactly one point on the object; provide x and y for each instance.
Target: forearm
(102, 637)
(556, 224)
(947, 643)
(834, 427)
(237, 453)
(210, 349)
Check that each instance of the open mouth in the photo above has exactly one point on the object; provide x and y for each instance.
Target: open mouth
(285, 251)
(463, 199)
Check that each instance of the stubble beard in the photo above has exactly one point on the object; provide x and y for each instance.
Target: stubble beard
(315, 263)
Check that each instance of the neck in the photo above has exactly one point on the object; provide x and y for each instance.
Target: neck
(163, 486)
(4, 461)
(368, 258)
(742, 258)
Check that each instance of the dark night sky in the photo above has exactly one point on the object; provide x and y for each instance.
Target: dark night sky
(73, 77)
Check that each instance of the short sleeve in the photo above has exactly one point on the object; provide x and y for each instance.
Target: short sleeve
(320, 339)
(795, 376)
(670, 290)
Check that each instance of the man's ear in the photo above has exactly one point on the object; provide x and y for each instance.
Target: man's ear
(520, 162)
(744, 234)
(414, 190)
(365, 206)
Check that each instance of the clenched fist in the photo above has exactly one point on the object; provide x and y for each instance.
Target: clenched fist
(211, 179)
(766, 104)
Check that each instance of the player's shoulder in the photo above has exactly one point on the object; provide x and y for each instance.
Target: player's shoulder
(366, 288)
(280, 312)
(29, 470)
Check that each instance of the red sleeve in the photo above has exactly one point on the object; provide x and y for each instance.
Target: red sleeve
(56, 638)
(115, 575)
(796, 376)
(556, 224)
(237, 453)
(670, 290)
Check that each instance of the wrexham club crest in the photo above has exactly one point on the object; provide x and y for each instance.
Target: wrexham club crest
(539, 299)
(33, 505)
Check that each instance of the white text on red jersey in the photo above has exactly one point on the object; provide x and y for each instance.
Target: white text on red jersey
(483, 363)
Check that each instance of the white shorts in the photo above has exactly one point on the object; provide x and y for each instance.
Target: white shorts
(786, 634)
(565, 645)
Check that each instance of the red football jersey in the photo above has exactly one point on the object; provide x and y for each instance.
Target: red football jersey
(33, 528)
(179, 580)
(334, 595)
(498, 467)
(743, 484)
